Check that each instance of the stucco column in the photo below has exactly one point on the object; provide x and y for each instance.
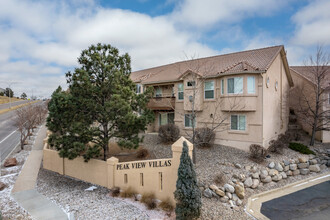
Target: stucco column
(112, 162)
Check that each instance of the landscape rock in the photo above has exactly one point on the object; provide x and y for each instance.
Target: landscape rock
(313, 162)
(240, 191)
(263, 173)
(2, 186)
(292, 161)
(239, 202)
(10, 162)
(311, 156)
(229, 188)
(238, 166)
(267, 179)
(286, 168)
(255, 175)
(271, 165)
(235, 197)
(315, 168)
(208, 193)
(231, 203)
(303, 165)
(248, 182)
(323, 166)
(247, 168)
(302, 160)
(286, 162)
(283, 174)
(304, 171)
(277, 178)
(214, 187)
(229, 195)
(254, 169)
(272, 172)
(278, 167)
(220, 192)
(255, 183)
(224, 199)
(295, 172)
(242, 177)
(288, 173)
(293, 166)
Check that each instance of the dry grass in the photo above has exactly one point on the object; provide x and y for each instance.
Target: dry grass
(167, 205)
(16, 107)
(5, 99)
(142, 153)
(149, 200)
(128, 193)
(220, 178)
(115, 192)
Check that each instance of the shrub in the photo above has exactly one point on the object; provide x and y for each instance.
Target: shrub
(257, 152)
(276, 146)
(128, 193)
(150, 200)
(187, 194)
(169, 133)
(220, 178)
(115, 191)
(167, 205)
(301, 148)
(142, 153)
(204, 137)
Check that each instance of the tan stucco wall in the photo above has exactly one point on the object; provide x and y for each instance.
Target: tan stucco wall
(275, 102)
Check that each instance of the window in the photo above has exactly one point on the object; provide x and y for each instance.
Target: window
(180, 91)
(138, 88)
(238, 122)
(141, 179)
(276, 85)
(209, 90)
(222, 86)
(251, 86)
(160, 181)
(235, 85)
(125, 179)
(191, 83)
(158, 92)
(267, 81)
(166, 118)
(188, 121)
(329, 98)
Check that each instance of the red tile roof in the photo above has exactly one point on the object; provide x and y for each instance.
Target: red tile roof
(308, 72)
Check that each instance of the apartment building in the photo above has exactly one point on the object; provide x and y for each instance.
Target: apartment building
(243, 95)
(303, 95)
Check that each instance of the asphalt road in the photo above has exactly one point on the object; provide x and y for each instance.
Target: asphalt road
(7, 105)
(9, 136)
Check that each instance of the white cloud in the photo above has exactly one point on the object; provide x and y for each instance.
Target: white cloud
(313, 24)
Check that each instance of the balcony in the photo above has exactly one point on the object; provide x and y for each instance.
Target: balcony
(162, 103)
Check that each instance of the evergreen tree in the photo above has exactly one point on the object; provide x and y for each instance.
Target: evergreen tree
(101, 103)
(9, 92)
(187, 193)
(23, 96)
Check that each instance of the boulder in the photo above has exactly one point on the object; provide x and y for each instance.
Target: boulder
(242, 177)
(10, 162)
(229, 188)
(240, 191)
(277, 177)
(247, 168)
(272, 172)
(235, 197)
(263, 173)
(311, 156)
(278, 167)
(239, 202)
(255, 175)
(302, 165)
(208, 193)
(231, 203)
(2, 186)
(302, 160)
(271, 165)
(293, 166)
(254, 169)
(267, 179)
(313, 162)
(220, 192)
(214, 187)
(323, 166)
(286, 168)
(224, 199)
(229, 195)
(238, 166)
(286, 162)
(304, 171)
(283, 174)
(255, 183)
(328, 163)
(292, 161)
(295, 172)
(248, 182)
(315, 168)
(288, 173)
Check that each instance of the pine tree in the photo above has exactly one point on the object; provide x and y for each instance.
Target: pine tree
(187, 194)
(101, 103)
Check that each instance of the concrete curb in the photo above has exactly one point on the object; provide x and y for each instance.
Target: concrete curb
(255, 202)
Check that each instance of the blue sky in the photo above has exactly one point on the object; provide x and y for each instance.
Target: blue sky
(41, 40)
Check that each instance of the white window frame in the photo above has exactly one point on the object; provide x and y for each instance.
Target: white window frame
(181, 91)
(212, 81)
(249, 88)
(238, 122)
(138, 88)
(167, 118)
(191, 124)
(235, 78)
(192, 82)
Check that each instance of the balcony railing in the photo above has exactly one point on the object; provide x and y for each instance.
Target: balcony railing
(162, 103)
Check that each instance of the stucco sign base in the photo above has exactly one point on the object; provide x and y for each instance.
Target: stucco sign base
(254, 204)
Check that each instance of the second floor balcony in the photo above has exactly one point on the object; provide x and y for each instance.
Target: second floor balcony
(162, 102)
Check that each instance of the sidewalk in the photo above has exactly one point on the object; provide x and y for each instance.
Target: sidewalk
(24, 192)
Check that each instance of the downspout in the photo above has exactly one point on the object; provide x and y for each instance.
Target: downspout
(262, 111)
(281, 96)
